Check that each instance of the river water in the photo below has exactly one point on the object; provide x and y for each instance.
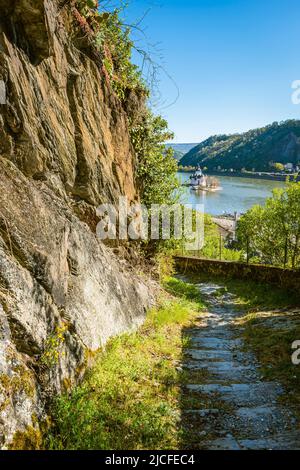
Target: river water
(238, 194)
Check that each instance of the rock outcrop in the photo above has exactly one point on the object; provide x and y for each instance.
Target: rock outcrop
(64, 149)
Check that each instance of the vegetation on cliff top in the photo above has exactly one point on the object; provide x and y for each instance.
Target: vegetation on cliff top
(112, 40)
(256, 149)
(156, 169)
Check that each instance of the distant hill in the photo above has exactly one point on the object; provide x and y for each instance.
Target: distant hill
(255, 149)
(181, 149)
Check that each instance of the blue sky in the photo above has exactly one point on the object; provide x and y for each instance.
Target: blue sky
(233, 62)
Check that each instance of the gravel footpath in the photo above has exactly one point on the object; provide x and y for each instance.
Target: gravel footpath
(236, 409)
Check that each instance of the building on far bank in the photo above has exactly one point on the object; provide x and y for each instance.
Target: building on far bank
(289, 166)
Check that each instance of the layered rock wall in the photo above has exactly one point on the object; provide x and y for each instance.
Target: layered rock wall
(64, 149)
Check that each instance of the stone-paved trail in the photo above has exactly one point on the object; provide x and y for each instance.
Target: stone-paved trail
(233, 408)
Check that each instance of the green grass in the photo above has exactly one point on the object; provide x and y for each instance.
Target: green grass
(211, 248)
(268, 328)
(182, 289)
(272, 347)
(270, 338)
(252, 295)
(131, 399)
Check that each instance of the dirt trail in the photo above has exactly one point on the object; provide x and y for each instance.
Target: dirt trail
(235, 408)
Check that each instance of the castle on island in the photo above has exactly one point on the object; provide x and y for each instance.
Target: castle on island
(200, 181)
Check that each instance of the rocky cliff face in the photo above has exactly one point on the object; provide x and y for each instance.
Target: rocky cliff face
(64, 149)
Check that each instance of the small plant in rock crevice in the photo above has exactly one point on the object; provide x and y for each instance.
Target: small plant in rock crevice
(111, 38)
(53, 346)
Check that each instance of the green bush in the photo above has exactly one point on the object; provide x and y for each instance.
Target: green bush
(271, 234)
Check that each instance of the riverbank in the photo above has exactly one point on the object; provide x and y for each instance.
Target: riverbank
(237, 195)
(249, 175)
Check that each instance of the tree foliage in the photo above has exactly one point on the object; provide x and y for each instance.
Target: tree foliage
(112, 39)
(256, 149)
(157, 167)
(215, 245)
(271, 234)
(278, 166)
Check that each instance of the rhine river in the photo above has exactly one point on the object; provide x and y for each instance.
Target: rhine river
(238, 194)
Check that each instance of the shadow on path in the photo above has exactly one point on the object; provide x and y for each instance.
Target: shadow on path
(226, 404)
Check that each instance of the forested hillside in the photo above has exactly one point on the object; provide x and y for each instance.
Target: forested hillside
(256, 149)
(181, 149)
